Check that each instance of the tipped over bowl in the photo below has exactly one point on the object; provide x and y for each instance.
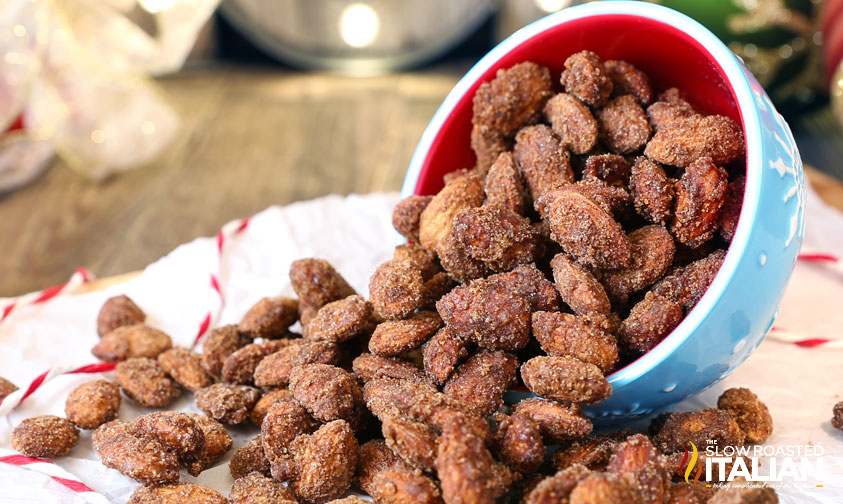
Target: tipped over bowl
(739, 308)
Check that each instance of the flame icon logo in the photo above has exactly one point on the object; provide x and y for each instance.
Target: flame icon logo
(691, 463)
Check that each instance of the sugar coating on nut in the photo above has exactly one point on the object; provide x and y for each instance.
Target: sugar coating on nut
(45, 436)
(93, 403)
(116, 312)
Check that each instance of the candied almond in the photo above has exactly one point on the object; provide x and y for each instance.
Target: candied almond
(732, 208)
(531, 284)
(686, 285)
(116, 312)
(481, 381)
(586, 78)
(274, 369)
(700, 428)
(512, 99)
(626, 79)
(240, 365)
(565, 334)
(92, 404)
(144, 381)
(394, 337)
(558, 422)
(340, 320)
(219, 344)
(503, 185)
(270, 317)
(623, 125)
(396, 288)
(683, 141)
(652, 250)
(497, 236)
(267, 400)
(185, 367)
(317, 283)
(578, 287)
(652, 191)
(45, 436)
(437, 218)
(405, 216)
(226, 402)
(585, 230)
(176, 493)
(564, 378)
(542, 159)
(442, 353)
(749, 412)
(700, 196)
(572, 122)
(649, 322)
(129, 341)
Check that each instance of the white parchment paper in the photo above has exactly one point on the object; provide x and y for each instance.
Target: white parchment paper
(354, 233)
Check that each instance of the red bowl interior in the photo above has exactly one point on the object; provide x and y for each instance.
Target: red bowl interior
(670, 57)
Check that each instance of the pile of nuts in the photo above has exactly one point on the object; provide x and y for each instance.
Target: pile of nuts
(401, 396)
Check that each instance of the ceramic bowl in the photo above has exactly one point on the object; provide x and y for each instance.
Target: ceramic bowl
(739, 308)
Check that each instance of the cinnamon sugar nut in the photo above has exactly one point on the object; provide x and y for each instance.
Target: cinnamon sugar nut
(144, 381)
(179, 493)
(442, 353)
(438, 285)
(266, 402)
(116, 312)
(414, 442)
(578, 287)
(564, 378)
(255, 488)
(274, 370)
(285, 421)
(226, 402)
(249, 458)
(684, 493)
(240, 366)
(129, 341)
(531, 284)
(374, 457)
(652, 191)
(458, 262)
(592, 452)
(405, 216)
(398, 487)
(499, 237)
(396, 288)
(557, 488)
(542, 159)
(46, 436)
(623, 125)
(424, 260)
(603, 488)
(512, 99)
(503, 184)
(683, 141)
(486, 151)
(185, 367)
(610, 168)
(317, 283)
(437, 218)
(613, 199)
(751, 415)
(628, 80)
(586, 78)
(142, 459)
(395, 337)
(572, 122)
(637, 461)
(92, 404)
(698, 427)
(732, 208)
(837, 416)
(519, 443)
(369, 366)
(175, 431)
(700, 196)
(465, 467)
(270, 317)
(686, 285)
(557, 422)
(328, 392)
(217, 441)
(324, 462)
(565, 334)
(487, 314)
(219, 344)
(6, 388)
(340, 320)
(585, 230)
(481, 381)
(671, 107)
(649, 322)
(653, 251)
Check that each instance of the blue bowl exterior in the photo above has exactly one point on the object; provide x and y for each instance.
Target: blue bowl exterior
(740, 306)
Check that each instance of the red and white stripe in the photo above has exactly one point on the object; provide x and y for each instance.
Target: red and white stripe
(81, 276)
(56, 473)
(14, 399)
(224, 238)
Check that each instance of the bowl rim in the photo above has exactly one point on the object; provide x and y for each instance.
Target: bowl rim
(742, 89)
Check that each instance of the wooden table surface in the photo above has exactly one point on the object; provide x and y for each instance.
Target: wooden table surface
(251, 138)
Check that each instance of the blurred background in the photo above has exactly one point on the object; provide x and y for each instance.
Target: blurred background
(128, 127)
